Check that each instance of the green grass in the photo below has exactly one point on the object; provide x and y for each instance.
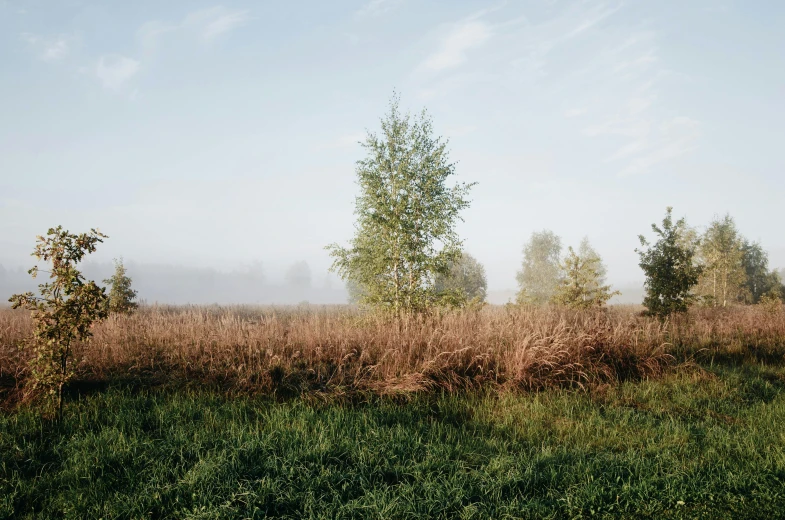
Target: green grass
(691, 445)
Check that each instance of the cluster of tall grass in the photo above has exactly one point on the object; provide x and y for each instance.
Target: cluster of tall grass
(339, 350)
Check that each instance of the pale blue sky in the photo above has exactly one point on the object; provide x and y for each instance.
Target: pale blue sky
(219, 134)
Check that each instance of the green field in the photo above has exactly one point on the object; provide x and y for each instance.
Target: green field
(702, 442)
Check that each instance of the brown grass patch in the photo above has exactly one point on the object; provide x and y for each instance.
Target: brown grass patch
(338, 349)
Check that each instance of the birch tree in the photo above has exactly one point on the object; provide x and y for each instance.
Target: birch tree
(541, 272)
(406, 216)
(760, 281)
(721, 257)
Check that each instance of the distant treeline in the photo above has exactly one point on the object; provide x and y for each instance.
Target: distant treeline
(182, 285)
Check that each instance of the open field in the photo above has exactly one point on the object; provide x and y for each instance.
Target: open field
(696, 443)
(338, 350)
(328, 413)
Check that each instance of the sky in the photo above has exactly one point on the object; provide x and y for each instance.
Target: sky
(224, 135)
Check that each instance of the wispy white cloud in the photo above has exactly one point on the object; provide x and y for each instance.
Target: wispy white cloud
(608, 73)
(638, 104)
(642, 61)
(675, 137)
(524, 46)
(598, 15)
(538, 41)
(455, 46)
(630, 150)
(208, 24)
(48, 49)
(151, 31)
(114, 70)
(575, 112)
(217, 21)
(55, 50)
(628, 107)
(375, 8)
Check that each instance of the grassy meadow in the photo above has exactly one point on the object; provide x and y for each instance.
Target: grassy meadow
(326, 412)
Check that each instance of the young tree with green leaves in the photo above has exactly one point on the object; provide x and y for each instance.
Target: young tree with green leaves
(464, 283)
(541, 271)
(668, 265)
(64, 312)
(406, 215)
(121, 296)
(583, 284)
(760, 280)
(721, 257)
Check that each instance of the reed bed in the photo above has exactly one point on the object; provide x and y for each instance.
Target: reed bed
(341, 350)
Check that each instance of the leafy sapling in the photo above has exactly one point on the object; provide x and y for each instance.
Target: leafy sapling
(63, 312)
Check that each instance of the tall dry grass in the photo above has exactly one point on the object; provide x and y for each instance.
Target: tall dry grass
(341, 350)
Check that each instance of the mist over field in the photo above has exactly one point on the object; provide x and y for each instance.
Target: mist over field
(172, 284)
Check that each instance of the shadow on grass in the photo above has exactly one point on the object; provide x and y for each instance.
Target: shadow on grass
(769, 354)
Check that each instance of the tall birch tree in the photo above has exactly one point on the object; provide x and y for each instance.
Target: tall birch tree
(406, 216)
(721, 257)
(541, 271)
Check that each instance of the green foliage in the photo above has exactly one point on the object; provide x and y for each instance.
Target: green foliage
(759, 280)
(721, 257)
(669, 268)
(541, 272)
(699, 444)
(354, 291)
(406, 214)
(121, 296)
(583, 284)
(464, 283)
(771, 302)
(67, 307)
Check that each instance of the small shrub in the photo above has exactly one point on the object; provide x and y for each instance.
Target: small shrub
(65, 310)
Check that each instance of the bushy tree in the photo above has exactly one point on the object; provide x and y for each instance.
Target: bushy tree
(406, 215)
(720, 256)
(760, 280)
(464, 283)
(583, 283)
(541, 272)
(668, 265)
(121, 296)
(64, 311)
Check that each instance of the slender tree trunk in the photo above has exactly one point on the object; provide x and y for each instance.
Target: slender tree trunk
(60, 402)
(396, 303)
(64, 355)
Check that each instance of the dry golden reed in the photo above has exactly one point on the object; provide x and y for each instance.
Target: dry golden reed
(338, 349)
